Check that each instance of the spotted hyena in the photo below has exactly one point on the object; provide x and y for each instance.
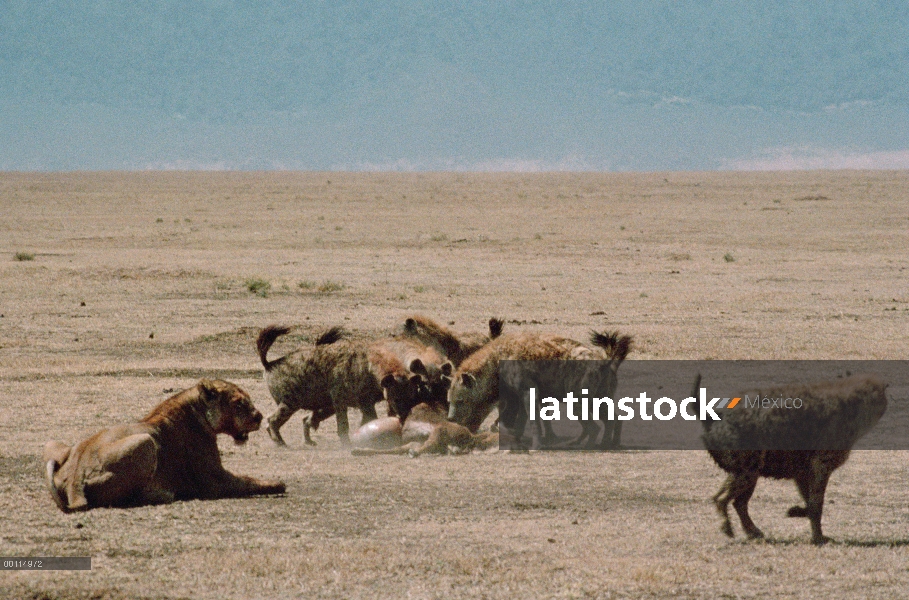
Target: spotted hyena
(474, 390)
(331, 376)
(419, 359)
(753, 442)
(451, 345)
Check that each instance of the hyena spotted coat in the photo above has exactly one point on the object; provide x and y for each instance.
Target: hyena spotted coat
(454, 347)
(474, 390)
(751, 443)
(333, 375)
(419, 359)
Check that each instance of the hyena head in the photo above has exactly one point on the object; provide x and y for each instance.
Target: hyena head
(403, 391)
(468, 401)
(436, 381)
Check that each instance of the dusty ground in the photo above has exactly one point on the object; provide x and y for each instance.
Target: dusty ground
(138, 285)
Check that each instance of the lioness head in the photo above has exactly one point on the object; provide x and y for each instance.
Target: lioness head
(229, 409)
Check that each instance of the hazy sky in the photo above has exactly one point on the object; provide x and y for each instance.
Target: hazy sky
(417, 85)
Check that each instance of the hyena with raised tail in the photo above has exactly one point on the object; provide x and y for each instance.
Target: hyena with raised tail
(331, 376)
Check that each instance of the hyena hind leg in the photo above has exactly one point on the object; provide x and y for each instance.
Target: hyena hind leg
(741, 490)
(721, 501)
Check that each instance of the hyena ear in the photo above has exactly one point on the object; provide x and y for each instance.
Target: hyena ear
(410, 325)
(207, 387)
(468, 380)
(495, 327)
(388, 381)
(416, 379)
(417, 366)
(447, 368)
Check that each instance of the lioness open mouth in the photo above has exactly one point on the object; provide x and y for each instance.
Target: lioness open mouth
(241, 438)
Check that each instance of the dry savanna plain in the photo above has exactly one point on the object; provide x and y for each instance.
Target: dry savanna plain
(118, 288)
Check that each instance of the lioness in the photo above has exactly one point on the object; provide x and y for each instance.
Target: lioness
(171, 454)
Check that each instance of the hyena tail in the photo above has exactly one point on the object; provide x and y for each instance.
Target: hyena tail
(695, 387)
(331, 336)
(616, 347)
(266, 338)
(495, 327)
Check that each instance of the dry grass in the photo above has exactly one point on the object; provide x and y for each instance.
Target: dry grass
(259, 287)
(819, 275)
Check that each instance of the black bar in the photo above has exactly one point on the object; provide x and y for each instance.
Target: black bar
(46, 563)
